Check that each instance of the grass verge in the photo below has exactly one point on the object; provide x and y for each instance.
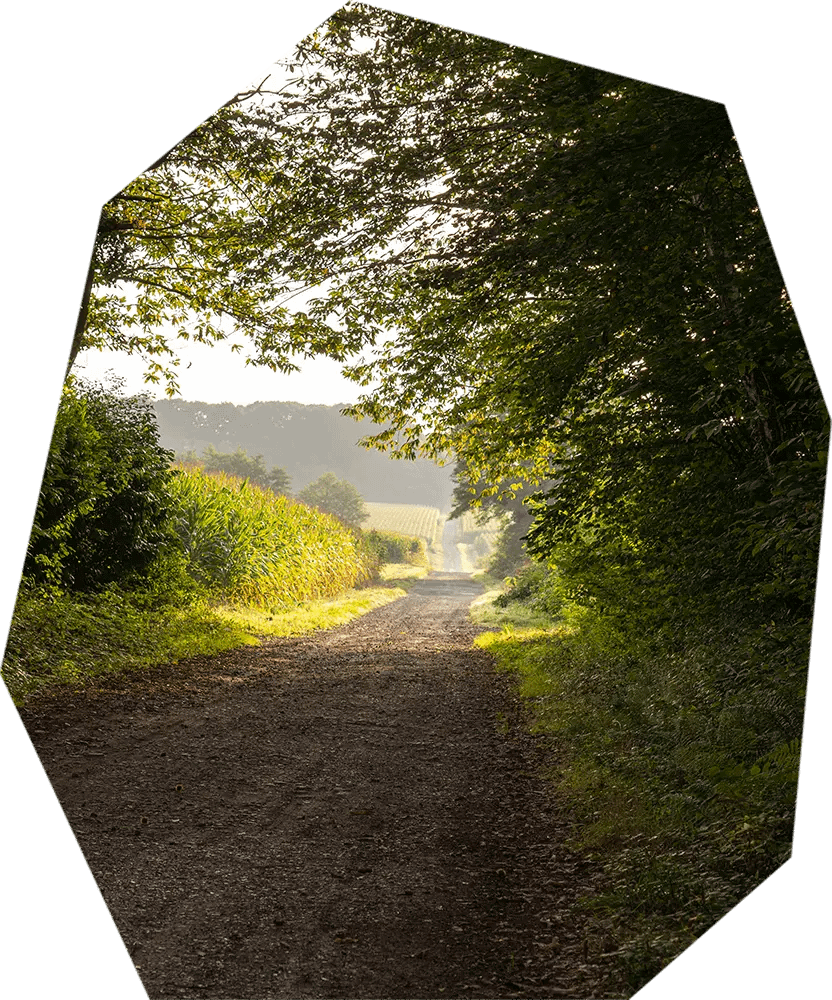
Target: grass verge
(402, 575)
(682, 825)
(69, 639)
(311, 615)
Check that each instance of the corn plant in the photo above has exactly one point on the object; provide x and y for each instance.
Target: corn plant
(259, 548)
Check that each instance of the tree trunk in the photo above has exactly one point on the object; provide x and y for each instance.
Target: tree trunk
(83, 311)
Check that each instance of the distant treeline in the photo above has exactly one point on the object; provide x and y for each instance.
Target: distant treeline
(306, 441)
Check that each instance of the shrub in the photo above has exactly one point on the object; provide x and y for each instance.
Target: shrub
(390, 547)
(103, 515)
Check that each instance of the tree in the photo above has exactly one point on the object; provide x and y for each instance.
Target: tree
(583, 291)
(237, 463)
(135, 115)
(510, 503)
(279, 481)
(335, 496)
(606, 225)
(240, 463)
(103, 515)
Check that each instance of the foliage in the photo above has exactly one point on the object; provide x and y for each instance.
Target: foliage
(509, 554)
(394, 548)
(679, 753)
(260, 548)
(337, 497)
(195, 245)
(103, 516)
(240, 463)
(596, 239)
(311, 615)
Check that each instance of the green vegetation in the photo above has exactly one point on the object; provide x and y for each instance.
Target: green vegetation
(70, 638)
(74, 639)
(412, 521)
(133, 563)
(103, 516)
(590, 321)
(682, 773)
(312, 615)
(337, 497)
(391, 547)
(240, 463)
(402, 574)
(261, 548)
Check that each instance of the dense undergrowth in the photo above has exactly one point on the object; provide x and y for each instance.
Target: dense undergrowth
(678, 749)
(133, 562)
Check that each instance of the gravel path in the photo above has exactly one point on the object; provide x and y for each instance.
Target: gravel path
(356, 814)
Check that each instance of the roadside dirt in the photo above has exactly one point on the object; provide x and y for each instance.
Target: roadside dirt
(360, 813)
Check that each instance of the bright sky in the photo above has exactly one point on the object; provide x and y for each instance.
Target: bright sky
(218, 375)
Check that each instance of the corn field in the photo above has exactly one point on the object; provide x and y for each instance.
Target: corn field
(261, 548)
(406, 519)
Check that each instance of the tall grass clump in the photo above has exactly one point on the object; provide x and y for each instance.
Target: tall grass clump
(259, 548)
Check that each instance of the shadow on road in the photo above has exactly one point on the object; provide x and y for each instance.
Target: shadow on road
(455, 586)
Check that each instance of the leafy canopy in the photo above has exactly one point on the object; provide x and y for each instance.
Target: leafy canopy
(555, 274)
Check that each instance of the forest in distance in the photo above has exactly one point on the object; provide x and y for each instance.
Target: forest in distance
(557, 281)
(306, 440)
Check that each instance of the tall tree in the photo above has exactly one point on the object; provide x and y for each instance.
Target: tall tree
(581, 285)
(139, 111)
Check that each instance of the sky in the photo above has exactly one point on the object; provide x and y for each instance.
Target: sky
(215, 374)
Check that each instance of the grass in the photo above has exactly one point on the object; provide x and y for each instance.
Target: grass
(248, 565)
(683, 821)
(71, 640)
(310, 616)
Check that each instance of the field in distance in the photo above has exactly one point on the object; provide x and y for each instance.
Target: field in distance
(412, 520)
(460, 545)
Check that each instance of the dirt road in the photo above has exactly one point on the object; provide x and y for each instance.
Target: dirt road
(355, 814)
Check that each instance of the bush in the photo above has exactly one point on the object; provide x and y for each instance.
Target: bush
(337, 497)
(390, 547)
(103, 515)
